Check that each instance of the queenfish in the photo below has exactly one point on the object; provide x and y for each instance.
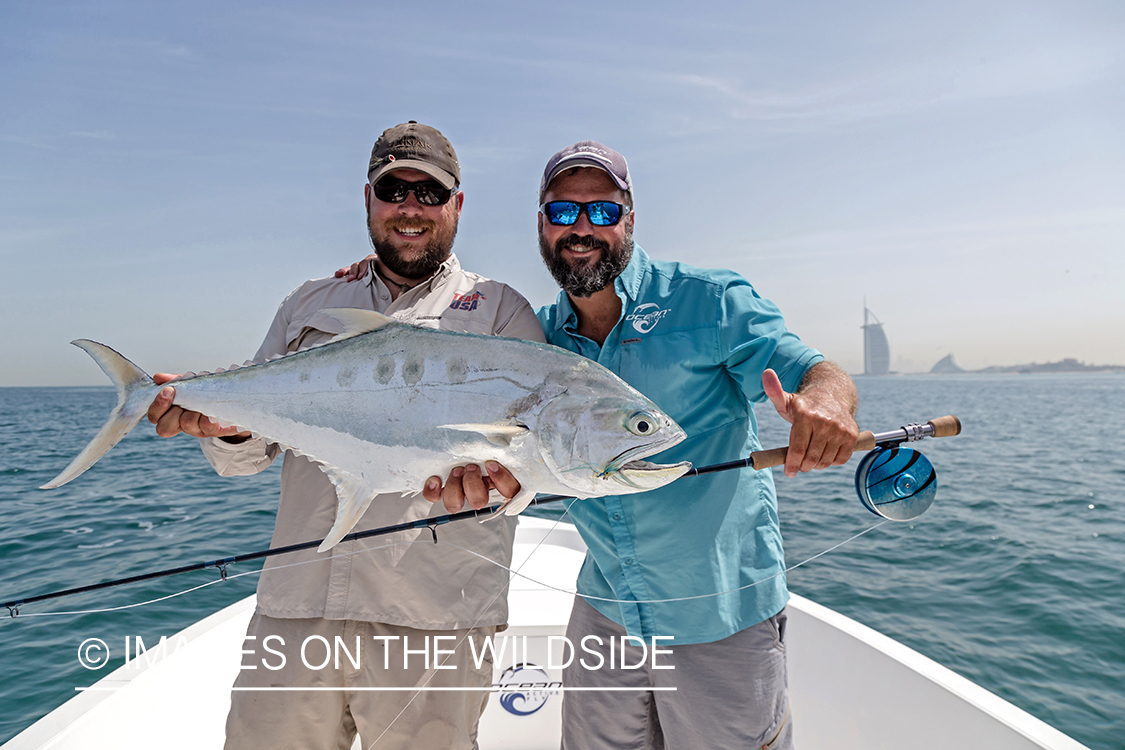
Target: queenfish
(384, 405)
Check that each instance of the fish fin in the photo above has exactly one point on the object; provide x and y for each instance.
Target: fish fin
(518, 503)
(497, 513)
(512, 507)
(497, 433)
(353, 496)
(135, 392)
(356, 321)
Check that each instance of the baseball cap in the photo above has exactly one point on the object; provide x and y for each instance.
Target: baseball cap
(414, 146)
(588, 154)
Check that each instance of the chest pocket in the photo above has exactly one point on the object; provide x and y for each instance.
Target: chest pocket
(465, 324)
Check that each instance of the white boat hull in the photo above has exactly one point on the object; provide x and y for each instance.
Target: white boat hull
(851, 687)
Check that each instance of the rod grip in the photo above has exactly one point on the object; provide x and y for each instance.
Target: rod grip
(946, 426)
(776, 456)
(766, 459)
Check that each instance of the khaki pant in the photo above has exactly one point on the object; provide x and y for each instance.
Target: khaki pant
(325, 703)
(731, 693)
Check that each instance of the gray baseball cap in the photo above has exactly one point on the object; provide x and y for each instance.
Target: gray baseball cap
(588, 154)
(414, 146)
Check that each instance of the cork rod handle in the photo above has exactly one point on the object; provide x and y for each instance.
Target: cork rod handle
(776, 456)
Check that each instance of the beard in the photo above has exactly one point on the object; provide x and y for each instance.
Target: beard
(432, 255)
(584, 277)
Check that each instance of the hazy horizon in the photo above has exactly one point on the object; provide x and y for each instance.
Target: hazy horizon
(169, 172)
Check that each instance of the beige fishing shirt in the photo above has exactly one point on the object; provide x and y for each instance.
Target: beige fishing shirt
(381, 579)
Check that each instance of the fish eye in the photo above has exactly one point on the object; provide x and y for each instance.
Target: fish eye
(642, 424)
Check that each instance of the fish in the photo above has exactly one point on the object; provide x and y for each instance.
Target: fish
(385, 404)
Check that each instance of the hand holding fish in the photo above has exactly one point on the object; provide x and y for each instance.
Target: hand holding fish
(822, 413)
(172, 420)
(466, 484)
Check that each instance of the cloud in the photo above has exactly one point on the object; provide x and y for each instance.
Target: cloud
(893, 88)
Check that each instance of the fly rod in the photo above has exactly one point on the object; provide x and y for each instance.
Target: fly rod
(868, 441)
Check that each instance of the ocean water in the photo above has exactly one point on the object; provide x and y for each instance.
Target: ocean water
(1015, 578)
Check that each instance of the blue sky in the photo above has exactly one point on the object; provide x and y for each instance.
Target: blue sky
(169, 171)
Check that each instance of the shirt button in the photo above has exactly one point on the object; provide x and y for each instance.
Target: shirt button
(382, 295)
(628, 561)
(616, 516)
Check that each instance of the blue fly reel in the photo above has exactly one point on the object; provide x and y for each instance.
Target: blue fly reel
(897, 483)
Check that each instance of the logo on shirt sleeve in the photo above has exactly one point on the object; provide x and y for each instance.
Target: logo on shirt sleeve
(645, 317)
(466, 301)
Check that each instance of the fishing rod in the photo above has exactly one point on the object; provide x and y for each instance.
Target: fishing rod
(897, 488)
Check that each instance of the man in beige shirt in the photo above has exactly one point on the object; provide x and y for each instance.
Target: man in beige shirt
(397, 599)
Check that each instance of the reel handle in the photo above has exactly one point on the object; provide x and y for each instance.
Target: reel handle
(947, 426)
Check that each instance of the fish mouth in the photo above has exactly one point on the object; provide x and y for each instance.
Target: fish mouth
(629, 469)
(644, 475)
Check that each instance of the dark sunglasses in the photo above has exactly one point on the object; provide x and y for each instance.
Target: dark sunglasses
(427, 192)
(600, 213)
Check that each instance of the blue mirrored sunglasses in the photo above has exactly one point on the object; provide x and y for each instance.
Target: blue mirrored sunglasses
(600, 213)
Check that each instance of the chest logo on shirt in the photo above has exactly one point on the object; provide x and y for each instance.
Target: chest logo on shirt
(466, 301)
(645, 317)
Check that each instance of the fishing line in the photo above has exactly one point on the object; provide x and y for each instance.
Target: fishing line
(431, 523)
(674, 599)
(210, 583)
(229, 577)
(138, 604)
(515, 572)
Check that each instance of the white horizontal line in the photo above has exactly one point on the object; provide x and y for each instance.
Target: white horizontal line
(507, 689)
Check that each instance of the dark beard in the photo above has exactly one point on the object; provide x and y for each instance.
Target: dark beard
(435, 252)
(585, 278)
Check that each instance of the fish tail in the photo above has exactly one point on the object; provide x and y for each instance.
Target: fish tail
(135, 392)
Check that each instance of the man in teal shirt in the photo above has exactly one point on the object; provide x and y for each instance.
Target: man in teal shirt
(700, 560)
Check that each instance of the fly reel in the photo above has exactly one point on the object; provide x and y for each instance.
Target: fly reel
(893, 481)
(896, 482)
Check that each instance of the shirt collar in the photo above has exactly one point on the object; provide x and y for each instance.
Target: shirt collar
(445, 270)
(627, 285)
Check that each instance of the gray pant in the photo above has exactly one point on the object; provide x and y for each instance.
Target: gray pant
(730, 693)
(330, 719)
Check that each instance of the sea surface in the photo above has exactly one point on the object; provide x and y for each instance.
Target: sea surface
(1014, 578)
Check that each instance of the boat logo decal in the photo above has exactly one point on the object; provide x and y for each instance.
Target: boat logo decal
(525, 688)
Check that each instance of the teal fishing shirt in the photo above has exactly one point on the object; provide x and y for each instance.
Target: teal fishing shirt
(696, 342)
